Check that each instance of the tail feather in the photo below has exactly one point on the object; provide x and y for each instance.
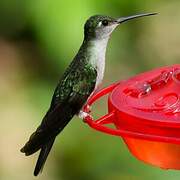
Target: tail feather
(52, 124)
(43, 138)
(43, 157)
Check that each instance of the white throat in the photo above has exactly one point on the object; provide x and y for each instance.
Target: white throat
(97, 52)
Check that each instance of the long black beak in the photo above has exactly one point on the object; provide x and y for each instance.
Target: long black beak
(123, 19)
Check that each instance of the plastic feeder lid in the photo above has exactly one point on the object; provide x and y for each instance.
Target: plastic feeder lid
(146, 106)
(152, 97)
(146, 112)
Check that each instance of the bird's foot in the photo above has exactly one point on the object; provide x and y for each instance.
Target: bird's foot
(84, 115)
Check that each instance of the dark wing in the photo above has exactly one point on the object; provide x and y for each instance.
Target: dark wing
(69, 97)
(78, 95)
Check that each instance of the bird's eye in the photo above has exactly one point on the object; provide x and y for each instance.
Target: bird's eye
(105, 22)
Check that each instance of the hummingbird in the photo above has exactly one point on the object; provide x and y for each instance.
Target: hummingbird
(82, 77)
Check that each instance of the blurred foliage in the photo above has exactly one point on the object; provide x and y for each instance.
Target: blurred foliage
(38, 39)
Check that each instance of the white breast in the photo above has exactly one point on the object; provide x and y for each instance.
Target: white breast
(97, 58)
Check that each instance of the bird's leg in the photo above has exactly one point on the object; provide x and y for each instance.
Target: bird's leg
(83, 115)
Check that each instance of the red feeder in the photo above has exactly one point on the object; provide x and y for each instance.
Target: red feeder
(146, 113)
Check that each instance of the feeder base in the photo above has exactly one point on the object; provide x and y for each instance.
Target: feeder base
(163, 155)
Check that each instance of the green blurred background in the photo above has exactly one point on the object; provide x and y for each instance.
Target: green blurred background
(38, 39)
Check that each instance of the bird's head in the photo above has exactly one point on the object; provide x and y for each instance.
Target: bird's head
(100, 27)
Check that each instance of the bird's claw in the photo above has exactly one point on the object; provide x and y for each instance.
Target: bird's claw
(84, 115)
